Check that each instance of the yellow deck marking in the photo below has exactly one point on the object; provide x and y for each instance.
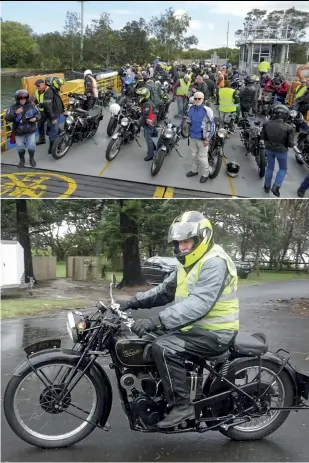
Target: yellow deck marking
(159, 193)
(104, 168)
(169, 193)
(232, 188)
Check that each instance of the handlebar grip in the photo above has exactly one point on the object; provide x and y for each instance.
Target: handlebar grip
(82, 111)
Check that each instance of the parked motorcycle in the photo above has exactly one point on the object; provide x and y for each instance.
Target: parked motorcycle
(126, 132)
(246, 393)
(250, 135)
(301, 148)
(185, 125)
(165, 104)
(118, 110)
(76, 100)
(265, 104)
(168, 140)
(105, 96)
(216, 149)
(79, 125)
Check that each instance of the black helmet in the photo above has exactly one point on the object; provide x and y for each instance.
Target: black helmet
(232, 168)
(281, 112)
(249, 80)
(48, 81)
(21, 93)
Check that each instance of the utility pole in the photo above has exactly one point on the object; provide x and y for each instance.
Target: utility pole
(227, 38)
(82, 31)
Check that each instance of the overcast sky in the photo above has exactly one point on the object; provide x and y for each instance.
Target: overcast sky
(209, 18)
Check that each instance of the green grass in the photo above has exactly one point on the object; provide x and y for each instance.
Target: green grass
(16, 308)
(267, 277)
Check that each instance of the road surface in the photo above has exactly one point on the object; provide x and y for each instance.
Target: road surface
(258, 313)
(88, 159)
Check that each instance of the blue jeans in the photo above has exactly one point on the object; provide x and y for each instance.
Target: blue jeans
(282, 159)
(151, 147)
(305, 184)
(53, 134)
(24, 142)
(181, 105)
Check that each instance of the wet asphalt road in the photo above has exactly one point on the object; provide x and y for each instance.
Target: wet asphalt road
(289, 443)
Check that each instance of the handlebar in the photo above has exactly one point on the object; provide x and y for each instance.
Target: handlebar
(82, 111)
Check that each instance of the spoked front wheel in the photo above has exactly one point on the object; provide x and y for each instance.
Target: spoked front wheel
(37, 415)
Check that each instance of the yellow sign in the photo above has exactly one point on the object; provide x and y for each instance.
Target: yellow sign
(32, 184)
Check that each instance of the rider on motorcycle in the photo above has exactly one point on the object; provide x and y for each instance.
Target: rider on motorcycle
(248, 96)
(204, 318)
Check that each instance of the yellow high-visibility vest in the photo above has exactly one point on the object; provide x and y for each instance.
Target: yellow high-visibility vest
(300, 91)
(183, 89)
(264, 66)
(225, 313)
(40, 98)
(226, 104)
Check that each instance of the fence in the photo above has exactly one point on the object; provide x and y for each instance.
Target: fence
(44, 267)
(76, 86)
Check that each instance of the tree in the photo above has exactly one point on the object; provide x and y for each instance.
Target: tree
(134, 41)
(299, 53)
(22, 221)
(17, 44)
(72, 29)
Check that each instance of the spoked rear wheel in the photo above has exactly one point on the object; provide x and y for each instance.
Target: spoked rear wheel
(279, 394)
(37, 416)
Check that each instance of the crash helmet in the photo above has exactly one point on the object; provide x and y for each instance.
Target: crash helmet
(48, 81)
(280, 112)
(57, 82)
(87, 73)
(232, 169)
(266, 76)
(21, 93)
(248, 80)
(143, 94)
(191, 224)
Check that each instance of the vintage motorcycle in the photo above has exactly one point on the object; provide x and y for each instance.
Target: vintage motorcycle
(245, 393)
(79, 125)
(105, 96)
(301, 147)
(250, 135)
(127, 132)
(265, 105)
(167, 141)
(76, 100)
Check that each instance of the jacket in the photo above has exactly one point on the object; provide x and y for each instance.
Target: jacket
(155, 95)
(278, 136)
(264, 66)
(202, 88)
(283, 89)
(269, 86)
(21, 122)
(303, 103)
(202, 122)
(148, 109)
(248, 96)
(52, 104)
(228, 99)
(203, 295)
(211, 87)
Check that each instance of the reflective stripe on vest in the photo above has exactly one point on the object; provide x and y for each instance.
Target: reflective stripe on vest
(300, 91)
(183, 89)
(40, 98)
(225, 313)
(226, 104)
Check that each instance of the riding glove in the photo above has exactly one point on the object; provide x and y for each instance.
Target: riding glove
(133, 304)
(145, 325)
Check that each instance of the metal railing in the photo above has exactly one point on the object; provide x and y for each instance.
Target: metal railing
(6, 127)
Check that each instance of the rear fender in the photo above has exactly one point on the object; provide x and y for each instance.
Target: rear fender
(215, 386)
(72, 356)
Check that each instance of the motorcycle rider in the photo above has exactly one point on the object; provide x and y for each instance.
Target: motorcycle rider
(182, 92)
(279, 137)
(303, 101)
(41, 87)
(204, 319)
(200, 86)
(248, 96)
(263, 67)
(91, 89)
(228, 100)
(282, 90)
(211, 86)
(53, 107)
(147, 120)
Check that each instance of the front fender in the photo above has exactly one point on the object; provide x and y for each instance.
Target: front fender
(72, 357)
(116, 135)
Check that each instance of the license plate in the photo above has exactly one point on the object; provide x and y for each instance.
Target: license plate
(42, 345)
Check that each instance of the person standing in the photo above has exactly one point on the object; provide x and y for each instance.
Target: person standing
(263, 67)
(279, 137)
(211, 86)
(202, 129)
(228, 99)
(41, 87)
(24, 115)
(182, 92)
(91, 89)
(147, 120)
(53, 107)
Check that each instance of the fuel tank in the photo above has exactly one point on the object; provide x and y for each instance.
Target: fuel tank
(130, 349)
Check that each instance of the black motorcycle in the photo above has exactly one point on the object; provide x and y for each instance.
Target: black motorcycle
(301, 148)
(265, 105)
(168, 140)
(165, 104)
(76, 100)
(118, 110)
(79, 125)
(250, 135)
(127, 132)
(57, 397)
(216, 149)
(105, 96)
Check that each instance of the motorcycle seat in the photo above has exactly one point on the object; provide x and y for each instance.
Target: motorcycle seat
(95, 112)
(219, 358)
(250, 345)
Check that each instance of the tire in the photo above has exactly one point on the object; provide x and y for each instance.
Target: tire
(21, 432)
(57, 144)
(217, 169)
(185, 129)
(110, 146)
(112, 126)
(239, 435)
(157, 162)
(262, 162)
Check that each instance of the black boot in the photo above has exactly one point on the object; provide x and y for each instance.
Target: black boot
(191, 174)
(178, 414)
(301, 192)
(276, 190)
(41, 141)
(266, 189)
(21, 158)
(31, 158)
(50, 147)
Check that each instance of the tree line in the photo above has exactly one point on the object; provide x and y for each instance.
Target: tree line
(256, 230)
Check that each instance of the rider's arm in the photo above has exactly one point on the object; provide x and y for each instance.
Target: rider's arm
(160, 295)
(202, 297)
(208, 125)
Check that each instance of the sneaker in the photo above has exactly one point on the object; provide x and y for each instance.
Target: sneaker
(191, 174)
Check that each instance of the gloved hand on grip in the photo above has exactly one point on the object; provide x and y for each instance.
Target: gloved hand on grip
(133, 304)
(142, 326)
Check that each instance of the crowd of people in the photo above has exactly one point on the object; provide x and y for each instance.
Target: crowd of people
(200, 83)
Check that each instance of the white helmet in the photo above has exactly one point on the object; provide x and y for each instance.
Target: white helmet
(87, 73)
(114, 109)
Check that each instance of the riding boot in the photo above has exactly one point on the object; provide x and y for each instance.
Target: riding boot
(21, 158)
(276, 190)
(50, 147)
(41, 141)
(31, 158)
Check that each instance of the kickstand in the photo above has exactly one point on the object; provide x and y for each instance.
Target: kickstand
(94, 141)
(138, 143)
(178, 152)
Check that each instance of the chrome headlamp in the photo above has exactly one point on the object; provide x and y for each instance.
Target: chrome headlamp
(124, 122)
(69, 120)
(72, 100)
(222, 133)
(71, 327)
(168, 133)
(293, 113)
